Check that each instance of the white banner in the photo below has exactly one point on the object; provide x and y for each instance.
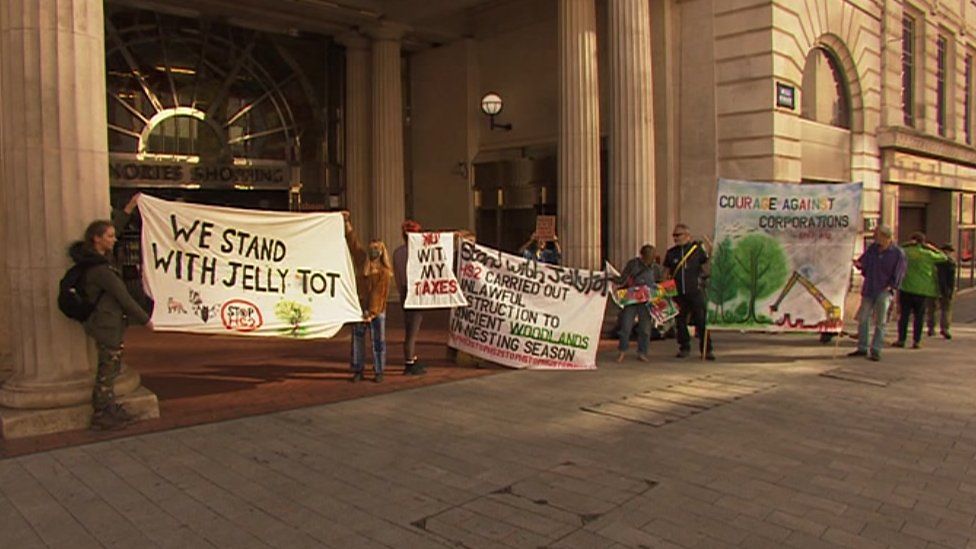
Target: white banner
(782, 255)
(431, 283)
(526, 314)
(246, 272)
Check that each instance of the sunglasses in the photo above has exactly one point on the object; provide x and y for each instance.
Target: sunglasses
(676, 235)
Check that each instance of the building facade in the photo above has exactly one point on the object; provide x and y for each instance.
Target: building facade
(617, 116)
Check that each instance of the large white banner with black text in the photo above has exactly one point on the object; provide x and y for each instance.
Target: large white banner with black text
(246, 272)
(526, 314)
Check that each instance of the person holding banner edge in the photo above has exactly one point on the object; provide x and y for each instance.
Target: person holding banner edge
(373, 273)
(685, 262)
(412, 318)
(538, 248)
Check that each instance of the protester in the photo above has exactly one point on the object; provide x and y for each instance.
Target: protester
(883, 267)
(945, 274)
(918, 286)
(542, 250)
(412, 318)
(685, 262)
(373, 274)
(106, 325)
(639, 271)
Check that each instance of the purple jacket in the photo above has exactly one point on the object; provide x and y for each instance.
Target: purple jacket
(882, 269)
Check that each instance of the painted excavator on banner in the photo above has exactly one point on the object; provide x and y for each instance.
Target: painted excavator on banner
(831, 323)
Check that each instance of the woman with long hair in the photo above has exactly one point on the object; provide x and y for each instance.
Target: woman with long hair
(373, 273)
(114, 308)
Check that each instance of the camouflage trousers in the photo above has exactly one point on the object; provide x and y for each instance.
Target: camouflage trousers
(109, 366)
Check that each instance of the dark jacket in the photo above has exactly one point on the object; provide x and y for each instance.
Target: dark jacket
(636, 273)
(945, 273)
(114, 306)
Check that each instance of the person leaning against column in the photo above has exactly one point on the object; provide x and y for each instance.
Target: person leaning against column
(883, 267)
(685, 263)
(412, 318)
(918, 286)
(373, 274)
(114, 308)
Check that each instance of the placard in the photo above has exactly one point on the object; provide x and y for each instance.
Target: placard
(545, 227)
(431, 282)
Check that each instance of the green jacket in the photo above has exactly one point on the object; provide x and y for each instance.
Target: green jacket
(920, 277)
(115, 307)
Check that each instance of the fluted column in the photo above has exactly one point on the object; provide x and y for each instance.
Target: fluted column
(357, 130)
(579, 135)
(631, 187)
(55, 180)
(389, 203)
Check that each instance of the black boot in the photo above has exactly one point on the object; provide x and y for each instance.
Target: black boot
(105, 420)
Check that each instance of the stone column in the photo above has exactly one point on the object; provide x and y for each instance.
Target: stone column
(55, 181)
(6, 359)
(357, 130)
(579, 135)
(389, 202)
(631, 187)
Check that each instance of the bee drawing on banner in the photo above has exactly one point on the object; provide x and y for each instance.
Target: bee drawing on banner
(205, 312)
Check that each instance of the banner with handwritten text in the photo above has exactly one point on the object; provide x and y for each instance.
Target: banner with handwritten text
(782, 255)
(431, 283)
(246, 272)
(526, 314)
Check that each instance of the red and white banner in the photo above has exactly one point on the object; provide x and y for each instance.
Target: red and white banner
(431, 283)
(526, 314)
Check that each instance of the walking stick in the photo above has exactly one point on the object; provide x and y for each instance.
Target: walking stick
(704, 344)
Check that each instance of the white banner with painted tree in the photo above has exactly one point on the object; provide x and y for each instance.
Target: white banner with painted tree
(782, 255)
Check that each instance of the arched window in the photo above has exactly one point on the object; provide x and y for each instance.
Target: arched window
(825, 95)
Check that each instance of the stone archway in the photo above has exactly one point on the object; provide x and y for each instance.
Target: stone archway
(838, 48)
(833, 112)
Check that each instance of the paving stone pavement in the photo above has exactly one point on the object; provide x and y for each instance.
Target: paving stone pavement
(514, 460)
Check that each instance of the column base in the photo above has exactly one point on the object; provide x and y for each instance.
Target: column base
(25, 394)
(16, 423)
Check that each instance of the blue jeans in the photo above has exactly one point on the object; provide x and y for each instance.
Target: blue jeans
(872, 310)
(377, 328)
(643, 316)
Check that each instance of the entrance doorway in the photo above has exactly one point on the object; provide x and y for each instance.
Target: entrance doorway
(511, 193)
(912, 218)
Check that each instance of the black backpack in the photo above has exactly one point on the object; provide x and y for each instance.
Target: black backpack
(72, 300)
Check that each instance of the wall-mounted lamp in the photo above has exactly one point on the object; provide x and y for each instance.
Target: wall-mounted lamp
(491, 104)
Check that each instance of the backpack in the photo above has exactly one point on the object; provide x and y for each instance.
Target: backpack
(72, 300)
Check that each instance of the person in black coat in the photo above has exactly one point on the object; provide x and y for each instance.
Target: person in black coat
(685, 262)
